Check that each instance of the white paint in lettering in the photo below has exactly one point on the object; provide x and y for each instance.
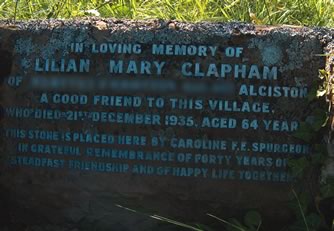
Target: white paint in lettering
(239, 146)
(218, 122)
(281, 126)
(44, 98)
(213, 50)
(136, 67)
(227, 70)
(116, 48)
(62, 65)
(177, 49)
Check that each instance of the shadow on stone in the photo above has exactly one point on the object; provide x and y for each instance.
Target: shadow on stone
(2, 112)
(5, 65)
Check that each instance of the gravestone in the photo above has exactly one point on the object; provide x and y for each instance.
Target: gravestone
(101, 118)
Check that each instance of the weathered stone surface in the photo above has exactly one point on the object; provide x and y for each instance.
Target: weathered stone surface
(265, 72)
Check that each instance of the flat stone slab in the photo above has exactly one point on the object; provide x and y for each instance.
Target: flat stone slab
(166, 118)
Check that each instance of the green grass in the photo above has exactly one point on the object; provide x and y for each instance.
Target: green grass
(296, 12)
